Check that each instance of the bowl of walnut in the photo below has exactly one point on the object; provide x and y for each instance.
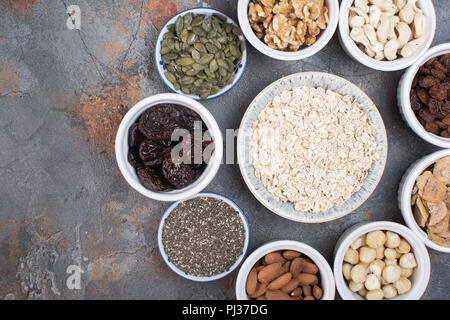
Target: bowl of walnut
(424, 199)
(288, 29)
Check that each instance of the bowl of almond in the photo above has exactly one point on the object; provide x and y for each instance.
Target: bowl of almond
(424, 199)
(285, 270)
(288, 29)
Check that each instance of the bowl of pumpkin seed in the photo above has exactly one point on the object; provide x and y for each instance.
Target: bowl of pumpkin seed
(201, 53)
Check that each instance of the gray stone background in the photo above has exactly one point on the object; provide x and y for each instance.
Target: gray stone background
(63, 200)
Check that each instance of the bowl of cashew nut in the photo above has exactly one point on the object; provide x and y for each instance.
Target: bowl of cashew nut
(386, 35)
(288, 29)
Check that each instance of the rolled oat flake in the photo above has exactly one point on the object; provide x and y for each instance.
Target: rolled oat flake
(203, 236)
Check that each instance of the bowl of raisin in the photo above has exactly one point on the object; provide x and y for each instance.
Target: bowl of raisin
(169, 147)
(424, 96)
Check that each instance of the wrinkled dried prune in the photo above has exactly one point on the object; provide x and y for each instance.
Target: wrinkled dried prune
(153, 179)
(188, 118)
(415, 102)
(423, 96)
(152, 153)
(428, 81)
(133, 159)
(178, 174)
(438, 92)
(135, 137)
(159, 122)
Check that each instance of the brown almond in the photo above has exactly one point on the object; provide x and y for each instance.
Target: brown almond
(259, 267)
(277, 295)
(273, 257)
(309, 267)
(280, 282)
(261, 289)
(307, 279)
(252, 281)
(287, 266)
(317, 292)
(307, 290)
(296, 293)
(296, 266)
(291, 285)
(291, 254)
(309, 298)
(270, 272)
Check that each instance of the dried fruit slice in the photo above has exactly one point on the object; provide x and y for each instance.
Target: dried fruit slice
(421, 213)
(153, 179)
(180, 175)
(434, 190)
(438, 211)
(422, 180)
(438, 239)
(441, 170)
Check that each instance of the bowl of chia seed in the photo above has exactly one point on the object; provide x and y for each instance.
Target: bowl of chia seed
(203, 238)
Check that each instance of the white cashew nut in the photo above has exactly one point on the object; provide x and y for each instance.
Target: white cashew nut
(412, 47)
(362, 5)
(374, 15)
(387, 7)
(356, 22)
(420, 24)
(404, 34)
(390, 52)
(407, 13)
(383, 28)
(393, 21)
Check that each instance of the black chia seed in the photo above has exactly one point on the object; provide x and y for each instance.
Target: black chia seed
(203, 236)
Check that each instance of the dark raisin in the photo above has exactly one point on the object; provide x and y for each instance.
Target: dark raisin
(430, 61)
(426, 115)
(415, 82)
(438, 74)
(153, 179)
(445, 134)
(433, 106)
(445, 60)
(159, 122)
(152, 153)
(439, 66)
(135, 137)
(423, 96)
(428, 81)
(438, 92)
(424, 70)
(178, 174)
(432, 127)
(415, 102)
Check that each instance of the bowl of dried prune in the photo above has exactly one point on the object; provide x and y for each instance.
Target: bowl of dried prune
(169, 147)
(424, 96)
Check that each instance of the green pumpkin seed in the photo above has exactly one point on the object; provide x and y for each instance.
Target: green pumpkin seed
(195, 55)
(191, 38)
(222, 63)
(197, 20)
(235, 51)
(179, 24)
(223, 72)
(184, 35)
(199, 31)
(176, 86)
(200, 47)
(187, 80)
(170, 56)
(198, 67)
(187, 19)
(171, 28)
(186, 61)
(207, 23)
(171, 77)
(220, 17)
(185, 90)
(165, 50)
(213, 66)
(206, 59)
(211, 48)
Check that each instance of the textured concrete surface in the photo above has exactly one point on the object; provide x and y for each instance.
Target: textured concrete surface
(62, 199)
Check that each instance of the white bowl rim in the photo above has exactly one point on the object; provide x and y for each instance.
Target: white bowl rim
(237, 76)
(420, 251)
(398, 64)
(405, 191)
(405, 102)
(230, 269)
(321, 42)
(326, 273)
(250, 186)
(121, 144)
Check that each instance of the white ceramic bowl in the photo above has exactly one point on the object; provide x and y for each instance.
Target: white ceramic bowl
(401, 63)
(129, 173)
(404, 196)
(419, 278)
(404, 102)
(238, 71)
(326, 274)
(244, 145)
(305, 52)
(215, 277)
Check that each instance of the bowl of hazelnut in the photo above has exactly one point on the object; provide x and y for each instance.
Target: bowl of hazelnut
(423, 96)
(288, 29)
(381, 260)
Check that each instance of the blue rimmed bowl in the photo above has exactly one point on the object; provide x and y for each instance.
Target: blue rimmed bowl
(191, 277)
(238, 70)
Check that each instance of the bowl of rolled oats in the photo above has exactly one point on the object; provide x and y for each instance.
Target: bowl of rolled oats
(312, 147)
(288, 29)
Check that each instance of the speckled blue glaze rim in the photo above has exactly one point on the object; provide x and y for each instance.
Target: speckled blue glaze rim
(222, 275)
(314, 79)
(239, 70)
